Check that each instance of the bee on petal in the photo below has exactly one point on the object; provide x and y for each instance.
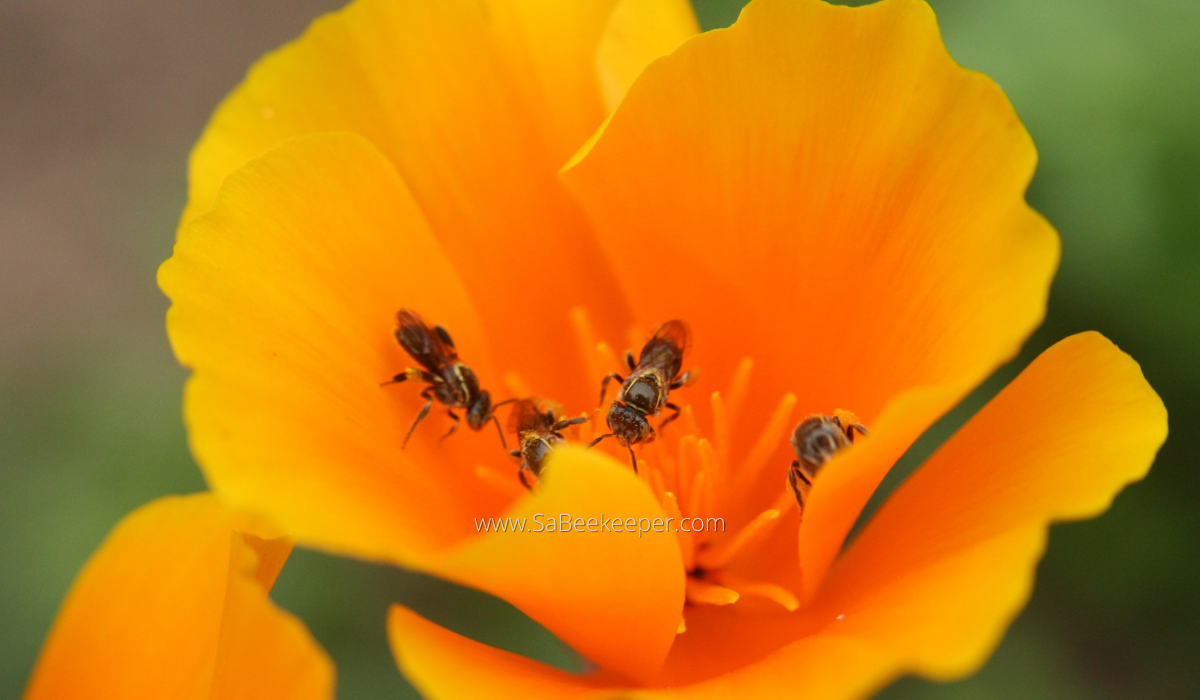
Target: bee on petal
(816, 440)
(538, 424)
(450, 382)
(645, 392)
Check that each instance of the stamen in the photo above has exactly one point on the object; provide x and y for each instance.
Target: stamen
(695, 502)
(689, 462)
(762, 589)
(738, 386)
(751, 534)
(585, 337)
(711, 466)
(688, 416)
(700, 592)
(656, 484)
(687, 546)
(682, 626)
(506, 486)
(720, 426)
(768, 442)
(608, 359)
(516, 384)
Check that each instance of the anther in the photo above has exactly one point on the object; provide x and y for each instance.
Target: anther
(700, 592)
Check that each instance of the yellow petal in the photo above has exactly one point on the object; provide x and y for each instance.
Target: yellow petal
(638, 32)
(286, 321)
(822, 189)
(477, 103)
(932, 581)
(174, 605)
(284, 298)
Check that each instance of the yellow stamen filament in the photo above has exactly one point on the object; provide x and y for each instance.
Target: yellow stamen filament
(586, 339)
(768, 442)
(516, 384)
(711, 465)
(688, 418)
(751, 534)
(721, 428)
(505, 485)
(656, 484)
(682, 626)
(704, 593)
(738, 386)
(608, 360)
(695, 502)
(687, 545)
(770, 591)
(689, 462)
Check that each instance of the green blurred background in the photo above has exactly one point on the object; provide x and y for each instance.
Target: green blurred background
(101, 100)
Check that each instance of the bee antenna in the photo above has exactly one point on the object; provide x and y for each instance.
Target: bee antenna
(593, 442)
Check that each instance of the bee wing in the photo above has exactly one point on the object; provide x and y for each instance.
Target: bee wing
(533, 414)
(666, 347)
(524, 416)
(422, 342)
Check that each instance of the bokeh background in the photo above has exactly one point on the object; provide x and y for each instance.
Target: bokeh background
(100, 101)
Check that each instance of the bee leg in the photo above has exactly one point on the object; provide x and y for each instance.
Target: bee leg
(413, 375)
(502, 403)
(503, 442)
(632, 458)
(677, 410)
(427, 394)
(526, 476)
(629, 360)
(593, 442)
(568, 423)
(862, 430)
(688, 378)
(604, 384)
(799, 482)
(454, 427)
(515, 453)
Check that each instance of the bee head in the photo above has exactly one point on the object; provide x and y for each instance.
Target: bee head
(817, 439)
(628, 424)
(480, 409)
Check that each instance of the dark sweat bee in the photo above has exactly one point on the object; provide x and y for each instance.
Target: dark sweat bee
(816, 440)
(645, 392)
(450, 382)
(537, 423)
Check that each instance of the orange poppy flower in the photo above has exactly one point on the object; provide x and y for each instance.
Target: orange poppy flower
(174, 605)
(834, 207)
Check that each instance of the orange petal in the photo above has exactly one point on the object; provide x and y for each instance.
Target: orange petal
(935, 577)
(447, 666)
(174, 605)
(283, 303)
(287, 323)
(615, 596)
(948, 561)
(477, 103)
(822, 189)
(638, 32)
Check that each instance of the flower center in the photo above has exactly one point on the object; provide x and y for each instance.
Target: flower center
(697, 481)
